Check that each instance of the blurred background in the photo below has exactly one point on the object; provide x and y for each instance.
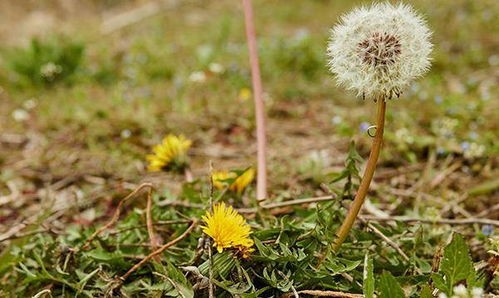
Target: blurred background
(87, 87)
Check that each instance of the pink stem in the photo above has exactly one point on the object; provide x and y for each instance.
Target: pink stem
(261, 179)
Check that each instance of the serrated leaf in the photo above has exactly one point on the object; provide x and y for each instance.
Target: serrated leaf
(389, 287)
(368, 277)
(456, 266)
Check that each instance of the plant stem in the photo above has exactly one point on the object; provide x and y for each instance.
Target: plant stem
(366, 179)
(261, 179)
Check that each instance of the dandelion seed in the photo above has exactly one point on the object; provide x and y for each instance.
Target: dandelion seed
(378, 50)
(238, 185)
(228, 229)
(172, 152)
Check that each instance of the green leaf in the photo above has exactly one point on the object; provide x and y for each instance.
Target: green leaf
(426, 292)
(456, 266)
(389, 287)
(439, 282)
(368, 277)
(179, 282)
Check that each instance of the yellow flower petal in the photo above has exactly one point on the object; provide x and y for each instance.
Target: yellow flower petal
(171, 149)
(227, 228)
(240, 183)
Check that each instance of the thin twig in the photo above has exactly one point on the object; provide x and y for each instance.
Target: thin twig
(451, 221)
(253, 210)
(261, 180)
(116, 215)
(158, 223)
(16, 236)
(149, 223)
(160, 250)
(488, 211)
(123, 20)
(387, 240)
(297, 202)
(444, 174)
(324, 294)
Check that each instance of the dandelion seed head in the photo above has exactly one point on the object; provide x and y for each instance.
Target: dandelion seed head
(378, 50)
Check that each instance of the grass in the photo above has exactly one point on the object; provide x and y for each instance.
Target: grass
(80, 147)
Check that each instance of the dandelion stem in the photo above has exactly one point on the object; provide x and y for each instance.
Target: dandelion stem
(261, 180)
(366, 179)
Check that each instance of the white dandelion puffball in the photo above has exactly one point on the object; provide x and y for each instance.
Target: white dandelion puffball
(378, 50)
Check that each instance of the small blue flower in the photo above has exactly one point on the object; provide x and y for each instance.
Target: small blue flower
(364, 126)
(473, 135)
(441, 151)
(439, 99)
(487, 230)
(465, 145)
(336, 120)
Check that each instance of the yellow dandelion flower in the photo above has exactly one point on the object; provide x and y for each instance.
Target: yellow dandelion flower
(244, 94)
(171, 151)
(238, 185)
(228, 229)
(244, 252)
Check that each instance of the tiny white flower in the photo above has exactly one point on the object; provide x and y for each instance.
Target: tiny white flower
(378, 50)
(336, 120)
(126, 133)
(20, 115)
(477, 293)
(216, 68)
(442, 295)
(461, 291)
(474, 150)
(30, 104)
(197, 77)
(50, 70)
